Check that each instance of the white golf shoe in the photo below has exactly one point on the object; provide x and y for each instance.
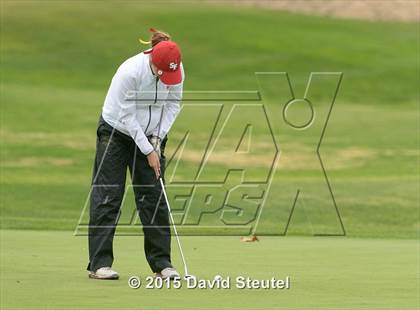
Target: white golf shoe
(104, 273)
(168, 272)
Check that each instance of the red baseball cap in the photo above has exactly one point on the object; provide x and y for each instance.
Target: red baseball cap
(166, 56)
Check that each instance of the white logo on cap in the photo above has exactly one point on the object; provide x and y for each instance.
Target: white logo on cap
(173, 66)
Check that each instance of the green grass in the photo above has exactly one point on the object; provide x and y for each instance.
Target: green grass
(79, 45)
(57, 61)
(46, 270)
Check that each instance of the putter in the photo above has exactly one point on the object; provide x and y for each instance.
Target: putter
(186, 274)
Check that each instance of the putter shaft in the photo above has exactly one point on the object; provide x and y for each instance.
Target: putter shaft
(174, 227)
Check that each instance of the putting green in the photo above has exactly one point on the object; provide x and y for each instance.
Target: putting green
(45, 270)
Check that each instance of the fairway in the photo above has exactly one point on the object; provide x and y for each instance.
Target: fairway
(45, 270)
(369, 150)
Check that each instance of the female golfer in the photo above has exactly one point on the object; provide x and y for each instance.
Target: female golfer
(141, 105)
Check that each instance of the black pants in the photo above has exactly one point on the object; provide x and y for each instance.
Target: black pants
(115, 152)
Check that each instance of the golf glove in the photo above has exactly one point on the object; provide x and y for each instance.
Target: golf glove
(155, 142)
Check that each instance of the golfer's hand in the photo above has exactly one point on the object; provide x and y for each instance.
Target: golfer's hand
(153, 159)
(155, 142)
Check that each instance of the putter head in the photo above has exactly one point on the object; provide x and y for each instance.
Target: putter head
(189, 276)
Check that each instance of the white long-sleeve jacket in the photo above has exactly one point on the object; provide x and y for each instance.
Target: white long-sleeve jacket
(138, 104)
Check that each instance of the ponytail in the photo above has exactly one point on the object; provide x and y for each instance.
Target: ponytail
(156, 37)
